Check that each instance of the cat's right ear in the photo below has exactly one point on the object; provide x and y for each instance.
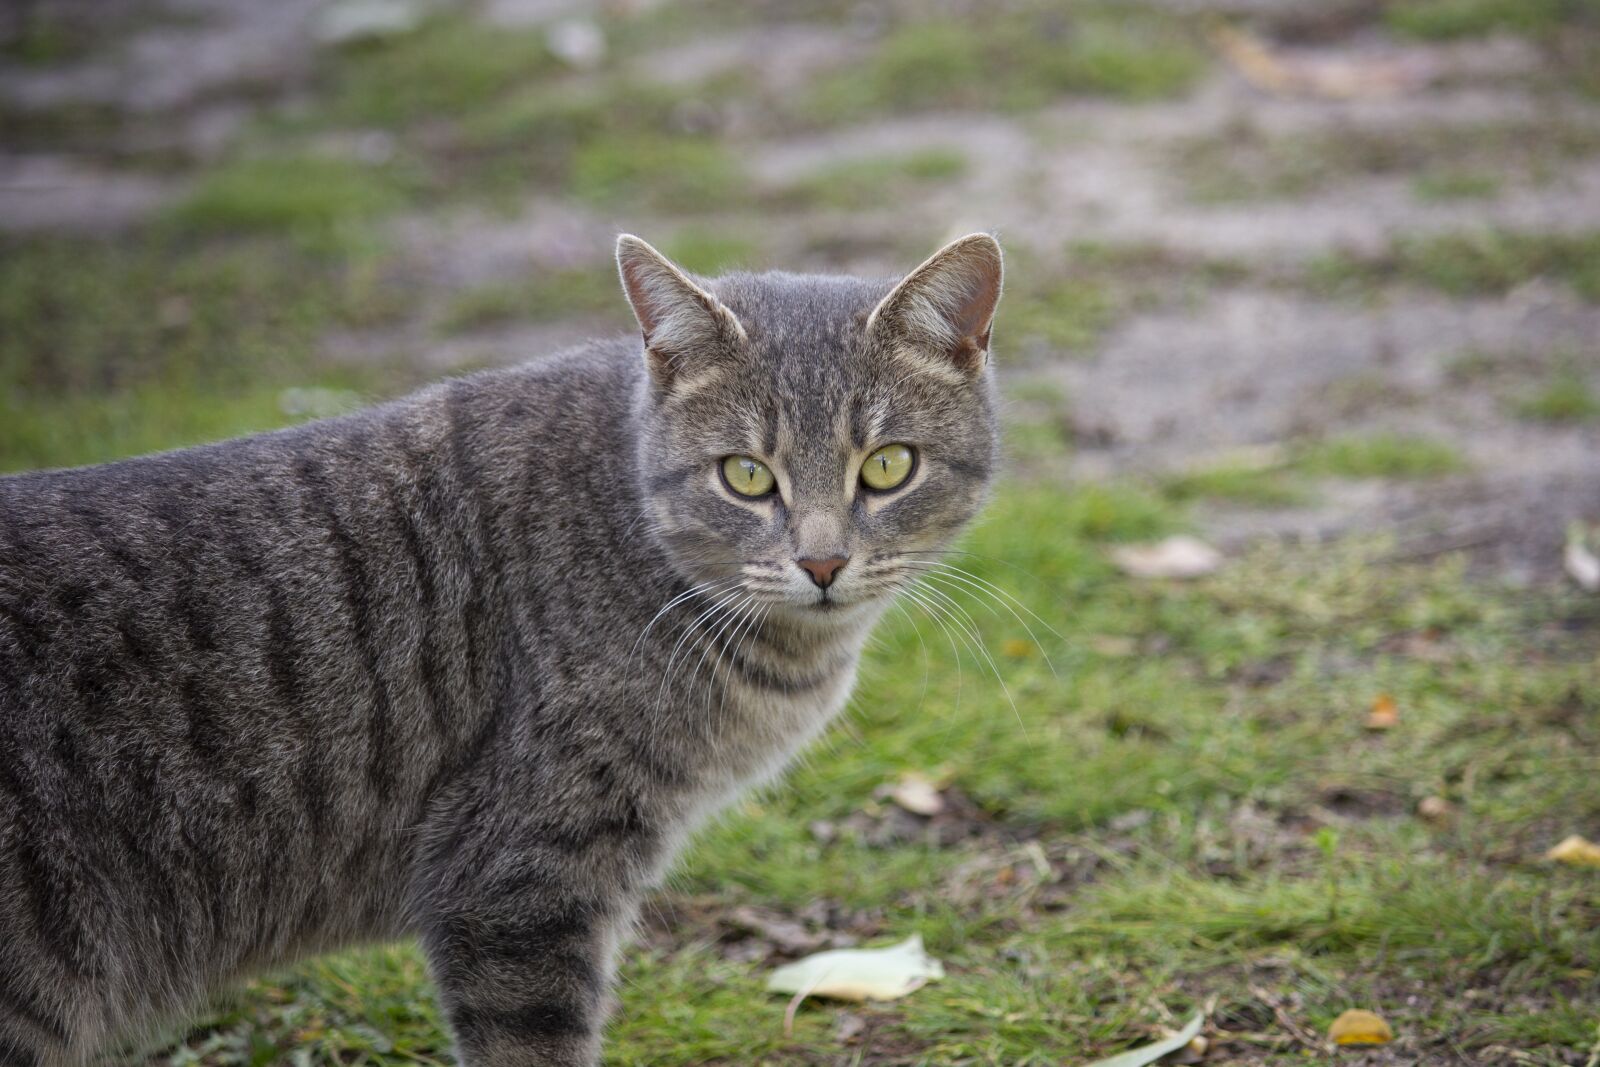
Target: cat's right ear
(684, 326)
(945, 308)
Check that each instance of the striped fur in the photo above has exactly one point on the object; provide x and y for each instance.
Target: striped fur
(469, 666)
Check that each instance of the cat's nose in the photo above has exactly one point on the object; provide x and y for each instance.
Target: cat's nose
(822, 571)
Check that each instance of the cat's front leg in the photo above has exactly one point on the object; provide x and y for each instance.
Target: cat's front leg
(521, 921)
(526, 983)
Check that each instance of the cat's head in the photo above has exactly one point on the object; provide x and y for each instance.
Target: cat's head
(814, 441)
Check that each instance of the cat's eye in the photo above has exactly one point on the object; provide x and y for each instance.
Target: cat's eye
(888, 467)
(747, 476)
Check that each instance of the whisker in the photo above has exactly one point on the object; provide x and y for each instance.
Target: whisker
(693, 591)
(715, 608)
(949, 572)
(970, 628)
(999, 590)
(926, 605)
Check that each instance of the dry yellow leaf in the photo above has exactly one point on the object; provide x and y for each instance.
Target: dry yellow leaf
(1016, 647)
(1577, 851)
(1384, 714)
(1358, 1027)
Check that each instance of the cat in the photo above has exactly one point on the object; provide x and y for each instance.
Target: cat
(469, 665)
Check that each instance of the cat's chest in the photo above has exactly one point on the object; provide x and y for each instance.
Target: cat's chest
(767, 708)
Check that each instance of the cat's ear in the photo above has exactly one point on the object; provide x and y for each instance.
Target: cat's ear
(944, 310)
(683, 325)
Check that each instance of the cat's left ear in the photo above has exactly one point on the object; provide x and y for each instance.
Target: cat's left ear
(945, 308)
(684, 326)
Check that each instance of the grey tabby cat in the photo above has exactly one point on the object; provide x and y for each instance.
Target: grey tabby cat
(469, 665)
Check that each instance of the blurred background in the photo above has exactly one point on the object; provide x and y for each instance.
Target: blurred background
(1315, 281)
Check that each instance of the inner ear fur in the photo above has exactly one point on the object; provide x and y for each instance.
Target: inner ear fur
(946, 306)
(682, 323)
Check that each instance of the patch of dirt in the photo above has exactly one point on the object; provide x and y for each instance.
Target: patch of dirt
(783, 56)
(45, 193)
(1252, 366)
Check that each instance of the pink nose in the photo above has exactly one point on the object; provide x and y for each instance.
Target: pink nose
(823, 570)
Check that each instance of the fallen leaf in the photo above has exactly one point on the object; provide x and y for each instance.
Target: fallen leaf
(1435, 809)
(1583, 566)
(1138, 1057)
(856, 974)
(917, 794)
(1576, 851)
(1174, 557)
(860, 973)
(1384, 713)
(1358, 1027)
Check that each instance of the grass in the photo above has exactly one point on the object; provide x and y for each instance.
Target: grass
(1455, 185)
(1248, 163)
(1566, 396)
(109, 349)
(541, 297)
(870, 183)
(1239, 483)
(1449, 19)
(450, 66)
(304, 196)
(1012, 61)
(1379, 456)
(1480, 262)
(708, 251)
(1142, 830)
(689, 174)
(1063, 303)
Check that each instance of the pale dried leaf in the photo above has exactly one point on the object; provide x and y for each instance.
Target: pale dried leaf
(1583, 566)
(1144, 1054)
(860, 973)
(918, 795)
(1174, 557)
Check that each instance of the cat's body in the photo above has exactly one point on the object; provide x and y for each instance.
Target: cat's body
(468, 665)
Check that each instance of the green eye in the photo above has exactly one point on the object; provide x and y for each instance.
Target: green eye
(746, 476)
(888, 467)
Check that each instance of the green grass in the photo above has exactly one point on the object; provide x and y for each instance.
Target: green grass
(1015, 61)
(1379, 456)
(452, 65)
(870, 183)
(1454, 185)
(1482, 262)
(690, 174)
(1448, 19)
(1566, 396)
(712, 251)
(108, 349)
(1238, 483)
(541, 297)
(303, 196)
